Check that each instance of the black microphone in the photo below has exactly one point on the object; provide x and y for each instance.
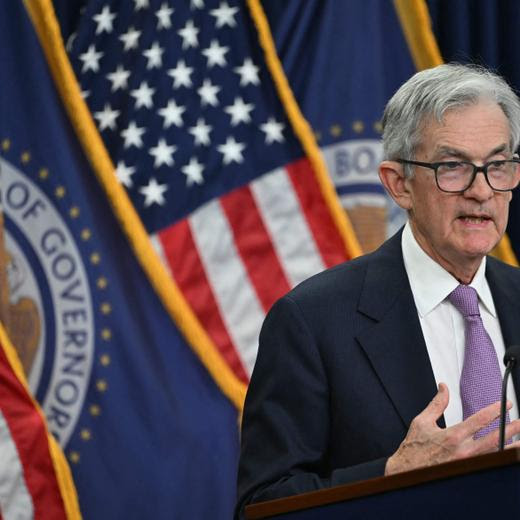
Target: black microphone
(511, 356)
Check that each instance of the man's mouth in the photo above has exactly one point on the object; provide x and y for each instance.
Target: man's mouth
(474, 219)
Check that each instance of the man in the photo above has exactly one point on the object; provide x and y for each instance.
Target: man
(377, 366)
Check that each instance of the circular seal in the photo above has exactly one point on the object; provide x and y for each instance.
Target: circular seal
(50, 316)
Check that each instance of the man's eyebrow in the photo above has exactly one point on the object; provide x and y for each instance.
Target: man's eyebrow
(499, 149)
(447, 150)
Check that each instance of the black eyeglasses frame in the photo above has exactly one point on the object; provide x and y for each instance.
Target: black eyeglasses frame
(435, 166)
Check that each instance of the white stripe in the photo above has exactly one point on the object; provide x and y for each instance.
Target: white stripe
(235, 296)
(284, 218)
(15, 499)
(156, 244)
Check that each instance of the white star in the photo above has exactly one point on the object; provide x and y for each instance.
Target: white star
(90, 59)
(133, 135)
(163, 15)
(172, 114)
(104, 20)
(141, 4)
(189, 35)
(197, 4)
(85, 94)
(143, 95)
(124, 174)
(181, 75)
(248, 72)
(224, 15)
(107, 117)
(130, 38)
(201, 132)
(273, 131)
(208, 93)
(239, 111)
(163, 153)
(215, 54)
(193, 171)
(153, 193)
(231, 151)
(154, 56)
(118, 78)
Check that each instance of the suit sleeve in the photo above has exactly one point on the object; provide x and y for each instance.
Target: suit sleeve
(287, 416)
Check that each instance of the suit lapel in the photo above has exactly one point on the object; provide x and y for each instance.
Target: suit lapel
(504, 283)
(394, 342)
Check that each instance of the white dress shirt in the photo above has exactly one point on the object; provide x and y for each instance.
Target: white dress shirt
(443, 325)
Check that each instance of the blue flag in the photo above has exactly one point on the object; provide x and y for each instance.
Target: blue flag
(146, 429)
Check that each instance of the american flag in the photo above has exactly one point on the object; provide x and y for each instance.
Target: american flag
(200, 140)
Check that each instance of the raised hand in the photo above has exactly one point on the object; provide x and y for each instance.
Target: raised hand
(426, 444)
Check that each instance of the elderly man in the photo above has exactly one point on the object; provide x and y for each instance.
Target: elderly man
(393, 361)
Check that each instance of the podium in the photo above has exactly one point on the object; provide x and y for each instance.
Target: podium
(479, 487)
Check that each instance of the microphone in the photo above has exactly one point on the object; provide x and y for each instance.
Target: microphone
(511, 357)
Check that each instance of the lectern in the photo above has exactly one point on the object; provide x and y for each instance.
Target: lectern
(487, 486)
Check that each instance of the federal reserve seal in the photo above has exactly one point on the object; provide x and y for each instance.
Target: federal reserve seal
(50, 316)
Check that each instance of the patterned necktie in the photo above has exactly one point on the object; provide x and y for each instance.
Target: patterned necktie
(481, 380)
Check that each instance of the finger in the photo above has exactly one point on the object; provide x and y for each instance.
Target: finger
(482, 418)
(490, 441)
(513, 445)
(437, 405)
(512, 429)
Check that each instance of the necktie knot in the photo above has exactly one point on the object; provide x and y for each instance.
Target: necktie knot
(465, 299)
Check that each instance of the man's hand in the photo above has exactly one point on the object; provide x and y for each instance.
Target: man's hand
(426, 444)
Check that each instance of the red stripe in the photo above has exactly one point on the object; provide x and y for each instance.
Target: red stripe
(29, 434)
(184, 261)
(317, 213)
(254, 246)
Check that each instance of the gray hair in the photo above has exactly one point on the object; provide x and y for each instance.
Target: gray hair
(431, 93)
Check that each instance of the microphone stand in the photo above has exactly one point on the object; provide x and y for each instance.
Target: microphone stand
(502, 426)
(511, 356)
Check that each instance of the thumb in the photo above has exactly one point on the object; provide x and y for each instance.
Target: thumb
(438, 404)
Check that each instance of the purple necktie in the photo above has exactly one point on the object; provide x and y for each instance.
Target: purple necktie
(481, 380)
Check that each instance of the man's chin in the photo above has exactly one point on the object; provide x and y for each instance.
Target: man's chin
(478, 249)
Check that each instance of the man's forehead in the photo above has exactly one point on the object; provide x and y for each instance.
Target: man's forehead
(458, 122)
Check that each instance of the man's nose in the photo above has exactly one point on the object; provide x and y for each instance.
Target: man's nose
(479, 188)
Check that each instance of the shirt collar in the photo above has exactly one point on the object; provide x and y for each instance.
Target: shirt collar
(431, 283)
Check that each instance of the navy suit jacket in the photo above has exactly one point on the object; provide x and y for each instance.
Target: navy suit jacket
(342, 370)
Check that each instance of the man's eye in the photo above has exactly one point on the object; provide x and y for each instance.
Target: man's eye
(451, 165)
(496, 164)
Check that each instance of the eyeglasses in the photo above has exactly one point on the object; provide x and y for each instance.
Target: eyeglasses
(458, 176)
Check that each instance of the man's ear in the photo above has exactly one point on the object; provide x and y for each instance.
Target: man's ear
(392, 176)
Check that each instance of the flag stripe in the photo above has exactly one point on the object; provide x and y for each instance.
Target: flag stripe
(15, 500)
(255, 247)
(236, 297)
(317, 213)
(292, 238)
(30, 436)
(177, 247)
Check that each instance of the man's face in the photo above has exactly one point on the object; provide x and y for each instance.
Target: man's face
(458, 230)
